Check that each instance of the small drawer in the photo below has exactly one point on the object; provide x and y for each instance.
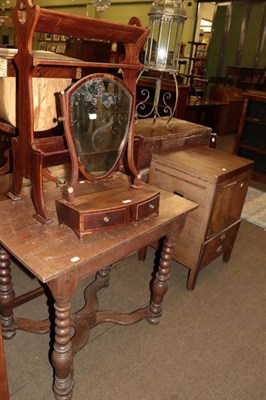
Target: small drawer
(175, 181)
(218, 245)
(147, 208)
(105, 219)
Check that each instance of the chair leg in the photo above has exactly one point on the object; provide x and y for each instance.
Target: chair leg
(6, 167)
(37, 190)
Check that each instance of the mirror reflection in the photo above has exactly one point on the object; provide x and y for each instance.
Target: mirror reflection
(100, 115)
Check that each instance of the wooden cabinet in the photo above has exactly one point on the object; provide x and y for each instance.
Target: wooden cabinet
(251, 137)
(227, 121)
(206, 112)
(157, 137)
(218, 182)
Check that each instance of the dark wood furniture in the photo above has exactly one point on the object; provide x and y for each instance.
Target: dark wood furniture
(56, 257)
(45, 115)
(247, 78)
(41, 152)
(251, 136)
(88, 50)
(218, 182)
(228, 120)
(3, 371)
(207, 112)
(123, 204)
(157, 137)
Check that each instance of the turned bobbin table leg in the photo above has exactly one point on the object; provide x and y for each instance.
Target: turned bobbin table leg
(160, 285)
(62, 356)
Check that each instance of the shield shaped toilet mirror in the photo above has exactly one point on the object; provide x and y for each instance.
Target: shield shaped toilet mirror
(97, 113)
(98, 121)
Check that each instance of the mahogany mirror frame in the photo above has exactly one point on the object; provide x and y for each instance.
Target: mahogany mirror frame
(128, 139)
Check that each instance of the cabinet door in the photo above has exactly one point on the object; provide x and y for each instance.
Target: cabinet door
(227, 206)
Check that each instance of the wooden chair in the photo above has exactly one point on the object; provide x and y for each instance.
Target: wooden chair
(247, 78)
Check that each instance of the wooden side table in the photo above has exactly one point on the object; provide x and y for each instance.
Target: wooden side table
(228, 120)
(206, 112)
(157, 137)
(55, 256)
(218, 182)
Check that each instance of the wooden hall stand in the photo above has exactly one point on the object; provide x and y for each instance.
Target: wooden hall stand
(56, 257)
(29, 19)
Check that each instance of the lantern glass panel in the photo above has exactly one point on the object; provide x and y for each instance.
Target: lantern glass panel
(163, 44)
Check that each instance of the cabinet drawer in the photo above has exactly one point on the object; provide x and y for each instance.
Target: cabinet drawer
(218, 245)
(105, 219)
(148, 208)
(176, 181)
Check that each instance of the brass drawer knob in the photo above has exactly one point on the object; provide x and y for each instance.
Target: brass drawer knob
(219, 249)
(106, 219)
(151, 206)
(223, 237)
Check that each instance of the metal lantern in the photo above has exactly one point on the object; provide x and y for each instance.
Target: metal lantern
(166, 22)
(162, 48)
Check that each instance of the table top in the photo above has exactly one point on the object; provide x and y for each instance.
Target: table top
(257, 95)
(209, 165)
(179, 128)
(49, 251)
(200, 102)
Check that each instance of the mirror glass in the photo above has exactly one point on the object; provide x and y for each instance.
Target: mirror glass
(100, 116)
